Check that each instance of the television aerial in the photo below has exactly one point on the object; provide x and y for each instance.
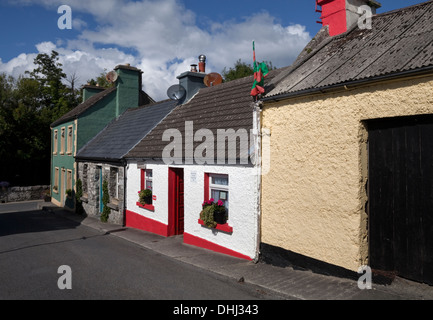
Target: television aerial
(176, 92)
(213, 79)
(112, 76)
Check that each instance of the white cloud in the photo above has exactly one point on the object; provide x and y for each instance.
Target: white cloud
(165, 39)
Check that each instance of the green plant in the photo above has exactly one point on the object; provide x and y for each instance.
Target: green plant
(78, 203)
(69, 193)
(207, 216)
(145, 196)
(105, 200)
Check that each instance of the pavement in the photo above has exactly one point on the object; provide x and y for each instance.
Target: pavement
(285, 282)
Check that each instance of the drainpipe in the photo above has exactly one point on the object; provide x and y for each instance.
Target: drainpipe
(258, 170)
(125, 165)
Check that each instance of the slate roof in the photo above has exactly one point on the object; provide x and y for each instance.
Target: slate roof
(84, 106)
(400, 41)
(226, 106)
(123, 133)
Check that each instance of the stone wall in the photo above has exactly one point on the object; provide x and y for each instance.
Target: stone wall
(17, 194)
(89, 173)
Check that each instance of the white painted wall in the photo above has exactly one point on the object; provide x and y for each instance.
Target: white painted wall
(243, 202)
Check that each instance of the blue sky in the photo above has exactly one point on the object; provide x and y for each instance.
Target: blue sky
(161, 37)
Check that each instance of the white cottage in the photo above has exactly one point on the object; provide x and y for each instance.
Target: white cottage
(204, 150)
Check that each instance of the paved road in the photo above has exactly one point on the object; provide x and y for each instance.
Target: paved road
(34, 244)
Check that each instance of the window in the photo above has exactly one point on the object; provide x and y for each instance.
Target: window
(69, 180)
(146, 179)
(219, 188)
(56, 180)
(114, 183)
(62, 142)
(70, 135)
(216, 186)
(55, 141)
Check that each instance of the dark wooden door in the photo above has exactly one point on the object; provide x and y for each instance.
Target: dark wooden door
(401, 197)
(176, 201)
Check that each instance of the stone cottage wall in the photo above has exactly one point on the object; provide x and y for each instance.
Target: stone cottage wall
(89, 174)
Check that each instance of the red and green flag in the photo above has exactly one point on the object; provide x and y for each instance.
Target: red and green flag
(260, 72)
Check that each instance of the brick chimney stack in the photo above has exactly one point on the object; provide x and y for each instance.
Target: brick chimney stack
(341, 15)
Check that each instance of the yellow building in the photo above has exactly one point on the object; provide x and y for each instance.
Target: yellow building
(351, 162)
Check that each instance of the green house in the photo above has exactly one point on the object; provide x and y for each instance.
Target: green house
(72, 131)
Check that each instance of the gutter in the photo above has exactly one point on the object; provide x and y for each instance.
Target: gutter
(347, 85)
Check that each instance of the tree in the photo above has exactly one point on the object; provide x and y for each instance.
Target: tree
(28, 105)
(101, 81)
(55, 97)
(241, 70)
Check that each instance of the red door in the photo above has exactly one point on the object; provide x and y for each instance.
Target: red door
(176, 204)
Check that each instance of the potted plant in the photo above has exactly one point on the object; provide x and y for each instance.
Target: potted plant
(207, 214)
(220, 212)
(47, 196)
(145, 196)
(69, 193)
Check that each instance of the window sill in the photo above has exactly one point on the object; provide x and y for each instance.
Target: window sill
(220, 227)
(113, 206)
(146, 206)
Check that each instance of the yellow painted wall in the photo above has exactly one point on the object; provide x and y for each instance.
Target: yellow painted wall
(313, 198)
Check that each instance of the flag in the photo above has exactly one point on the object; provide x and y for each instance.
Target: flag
(260, 72)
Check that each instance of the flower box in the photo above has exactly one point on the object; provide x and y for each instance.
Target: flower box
(221, 227)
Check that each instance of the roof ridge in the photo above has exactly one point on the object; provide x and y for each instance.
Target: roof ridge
(404, 8)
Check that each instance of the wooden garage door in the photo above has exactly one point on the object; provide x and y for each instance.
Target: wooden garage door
(401, 196)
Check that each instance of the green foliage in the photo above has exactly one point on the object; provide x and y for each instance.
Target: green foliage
(101, 81)
(207, 216)
(145, 196)
(105, 200)
(241, 70)
(28, 105)
(78, 203)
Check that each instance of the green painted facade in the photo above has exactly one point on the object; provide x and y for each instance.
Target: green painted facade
(63, 162)
(85, 126)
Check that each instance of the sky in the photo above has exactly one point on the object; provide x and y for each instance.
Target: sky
(160, 37)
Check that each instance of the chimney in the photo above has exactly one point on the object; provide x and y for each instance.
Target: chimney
(89, 91)
(202, 63)
(129, 85)
(192, 80)
(341, 15)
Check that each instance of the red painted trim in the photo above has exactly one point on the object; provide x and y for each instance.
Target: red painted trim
(146, 206)
(136, 221)
(221, 227)
(199, 242)
(206, 186)
(171, 201)
(143, 179)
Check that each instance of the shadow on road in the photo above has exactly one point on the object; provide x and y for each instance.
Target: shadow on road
(33, 221)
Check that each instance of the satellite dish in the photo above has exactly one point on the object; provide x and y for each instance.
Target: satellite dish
(213, 79)
(111, 76)
(176, 92)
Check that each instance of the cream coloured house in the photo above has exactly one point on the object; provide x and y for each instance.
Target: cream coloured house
(350, 174)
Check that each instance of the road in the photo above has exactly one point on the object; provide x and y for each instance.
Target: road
(34, 244)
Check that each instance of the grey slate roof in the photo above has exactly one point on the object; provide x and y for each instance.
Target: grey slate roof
(226, 106)
(84, 106)
(123, 133)
(399, 41)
